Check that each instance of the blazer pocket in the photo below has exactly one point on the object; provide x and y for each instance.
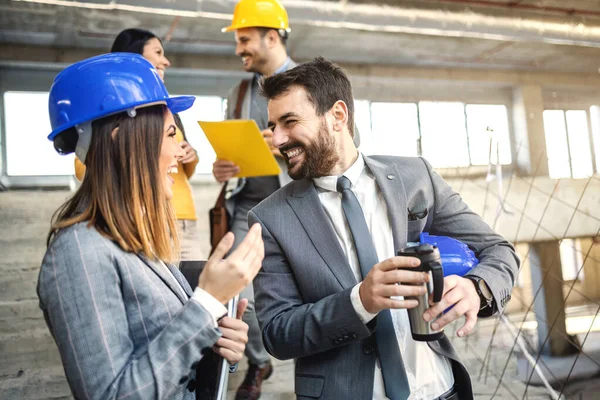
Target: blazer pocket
(414, 229)
(309, 385)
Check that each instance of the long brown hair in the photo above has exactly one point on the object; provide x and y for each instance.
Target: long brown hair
(122, 193)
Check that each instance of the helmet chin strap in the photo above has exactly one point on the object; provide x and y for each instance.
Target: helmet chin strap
(84, 130)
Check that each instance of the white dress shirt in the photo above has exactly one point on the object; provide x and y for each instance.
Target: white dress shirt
(429, 374)
(206, 300)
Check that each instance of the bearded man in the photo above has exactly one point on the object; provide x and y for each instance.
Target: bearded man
(336, 304)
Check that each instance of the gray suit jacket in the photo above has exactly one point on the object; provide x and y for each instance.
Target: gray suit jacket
(302, 292)
(122, 326)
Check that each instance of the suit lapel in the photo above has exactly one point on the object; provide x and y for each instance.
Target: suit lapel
(308, 208)
(166, 277)
(176, 272)
(389, 180)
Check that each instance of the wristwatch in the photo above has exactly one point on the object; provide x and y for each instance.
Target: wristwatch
(486, 298)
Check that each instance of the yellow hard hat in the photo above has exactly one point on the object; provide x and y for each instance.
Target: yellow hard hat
(259, 13)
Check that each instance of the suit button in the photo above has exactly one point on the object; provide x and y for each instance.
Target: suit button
(368, 350)
(353, 335)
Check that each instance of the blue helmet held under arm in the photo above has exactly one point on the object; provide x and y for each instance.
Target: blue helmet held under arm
(457, 257)
(98, 87)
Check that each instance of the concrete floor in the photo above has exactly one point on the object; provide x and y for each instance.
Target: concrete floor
(30, 367)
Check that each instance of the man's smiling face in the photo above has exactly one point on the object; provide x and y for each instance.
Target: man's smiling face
(304, 138)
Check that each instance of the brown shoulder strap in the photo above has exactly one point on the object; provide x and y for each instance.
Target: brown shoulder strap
(240, 99)
(221, 198)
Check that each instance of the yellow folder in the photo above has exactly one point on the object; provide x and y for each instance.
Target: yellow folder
(240, 141)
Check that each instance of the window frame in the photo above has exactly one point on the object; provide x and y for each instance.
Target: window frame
(590, 135)
(472, 170)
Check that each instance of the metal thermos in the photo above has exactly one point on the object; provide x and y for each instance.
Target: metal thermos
(432, 264)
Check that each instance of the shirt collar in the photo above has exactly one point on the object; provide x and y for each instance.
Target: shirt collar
(352, 173)
(279, 70)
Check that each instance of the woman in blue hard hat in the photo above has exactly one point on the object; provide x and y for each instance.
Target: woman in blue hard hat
(126, 323)
(148, 45)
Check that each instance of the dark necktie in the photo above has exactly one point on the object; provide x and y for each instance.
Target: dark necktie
(392, 366)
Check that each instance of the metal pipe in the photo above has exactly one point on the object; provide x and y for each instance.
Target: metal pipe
(377, 18)
(440, 23)
(533, 7)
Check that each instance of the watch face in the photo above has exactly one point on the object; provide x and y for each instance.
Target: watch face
(485, 290)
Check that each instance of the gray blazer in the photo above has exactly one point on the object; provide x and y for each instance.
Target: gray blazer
(302, 292)
(123, 327)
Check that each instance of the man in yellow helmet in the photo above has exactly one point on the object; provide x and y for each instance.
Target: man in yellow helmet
(261, 30)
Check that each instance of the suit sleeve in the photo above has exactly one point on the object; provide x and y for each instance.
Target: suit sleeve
(498, 262)
(80, 291)
(292, 328)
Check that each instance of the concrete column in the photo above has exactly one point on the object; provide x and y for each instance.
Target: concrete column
(528, 122)
(591, 267)
(549, 305)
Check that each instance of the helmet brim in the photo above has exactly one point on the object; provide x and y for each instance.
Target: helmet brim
(180, 103)
(232, 28)
(175, 104)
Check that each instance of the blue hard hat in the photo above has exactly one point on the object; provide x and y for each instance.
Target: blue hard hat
(456, 256)
(105, 85)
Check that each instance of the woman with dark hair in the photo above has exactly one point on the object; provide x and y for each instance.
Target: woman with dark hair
(126, 322)
(142, 42)
(148, 45)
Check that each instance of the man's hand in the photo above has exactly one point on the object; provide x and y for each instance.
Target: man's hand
(458, 292)
(232, 344)
(190, 153)
(268, 136)
(225, 278)
(386, 280)
(224, 170)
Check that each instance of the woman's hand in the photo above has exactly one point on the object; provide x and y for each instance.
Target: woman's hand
(225, 278)
(190, 153)
(232, 344)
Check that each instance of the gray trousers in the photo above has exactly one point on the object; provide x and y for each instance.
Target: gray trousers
(255, 350)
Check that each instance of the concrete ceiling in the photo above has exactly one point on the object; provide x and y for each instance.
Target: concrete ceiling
(544, 35)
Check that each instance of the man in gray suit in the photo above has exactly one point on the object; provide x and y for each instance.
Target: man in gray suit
(314, 302)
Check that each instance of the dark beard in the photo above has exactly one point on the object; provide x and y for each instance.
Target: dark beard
(320, 157)
(259, 60)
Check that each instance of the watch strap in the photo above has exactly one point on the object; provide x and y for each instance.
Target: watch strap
(487, 303)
